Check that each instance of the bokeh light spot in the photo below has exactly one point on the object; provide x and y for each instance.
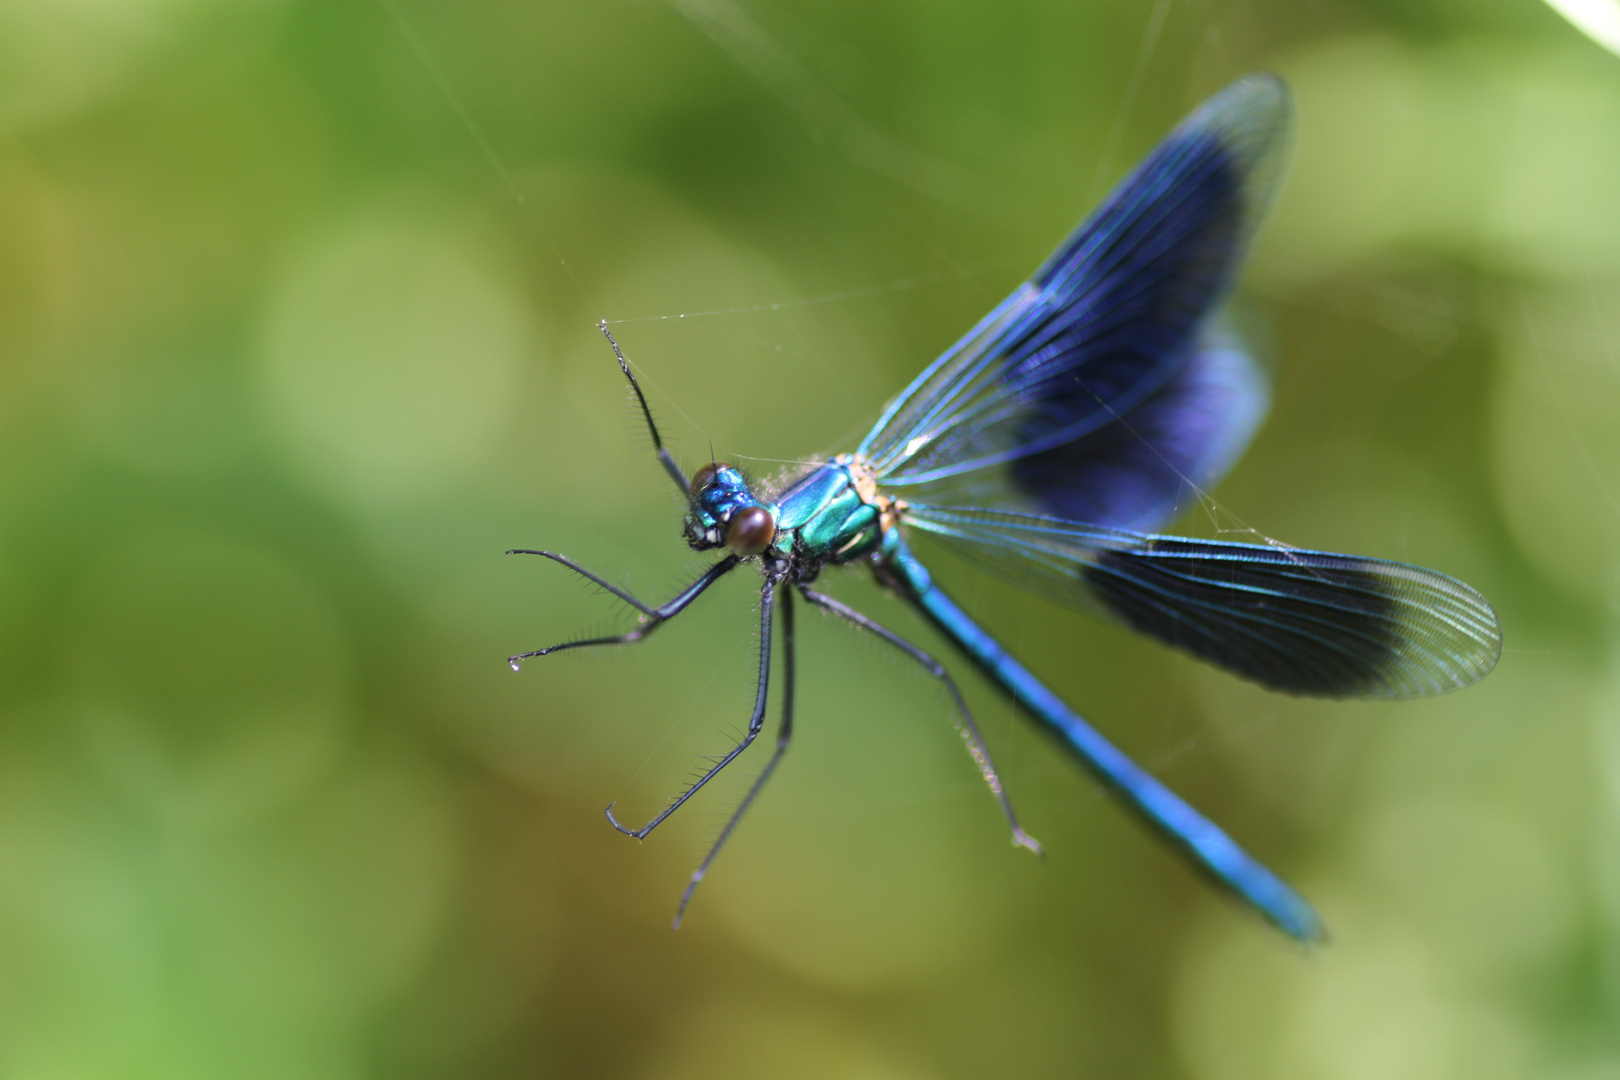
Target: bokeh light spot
(392, 356)
(211, 676)
(1556, 443)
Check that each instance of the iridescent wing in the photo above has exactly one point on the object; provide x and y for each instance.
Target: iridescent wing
(1303, 622)
(1103, 349)
(1141, 471)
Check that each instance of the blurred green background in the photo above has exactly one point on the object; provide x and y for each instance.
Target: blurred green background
(296, 338)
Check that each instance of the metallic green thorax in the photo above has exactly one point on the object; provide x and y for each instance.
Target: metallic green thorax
(820, 516)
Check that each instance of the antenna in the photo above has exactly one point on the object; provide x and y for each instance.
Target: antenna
(664, 455)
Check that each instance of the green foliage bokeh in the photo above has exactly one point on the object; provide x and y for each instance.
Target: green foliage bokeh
(297, 308)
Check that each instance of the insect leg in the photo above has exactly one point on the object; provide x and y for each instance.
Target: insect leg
(651, 617)
(966, 727)
(767, 606)
(664, 456)
(784, 734)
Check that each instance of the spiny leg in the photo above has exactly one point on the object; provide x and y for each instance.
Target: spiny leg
(784, 733)
(967, 728)
(651, 617)
(767, 605)
(664, 456)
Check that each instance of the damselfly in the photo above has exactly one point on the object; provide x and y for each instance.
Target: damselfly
(1046, 446)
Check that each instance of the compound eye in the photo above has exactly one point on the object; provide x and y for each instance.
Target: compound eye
(751, 530)
(705, 476)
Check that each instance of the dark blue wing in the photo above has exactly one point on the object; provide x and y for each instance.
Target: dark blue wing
(1303, 622)
(1141, 471)
(1108, 323)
